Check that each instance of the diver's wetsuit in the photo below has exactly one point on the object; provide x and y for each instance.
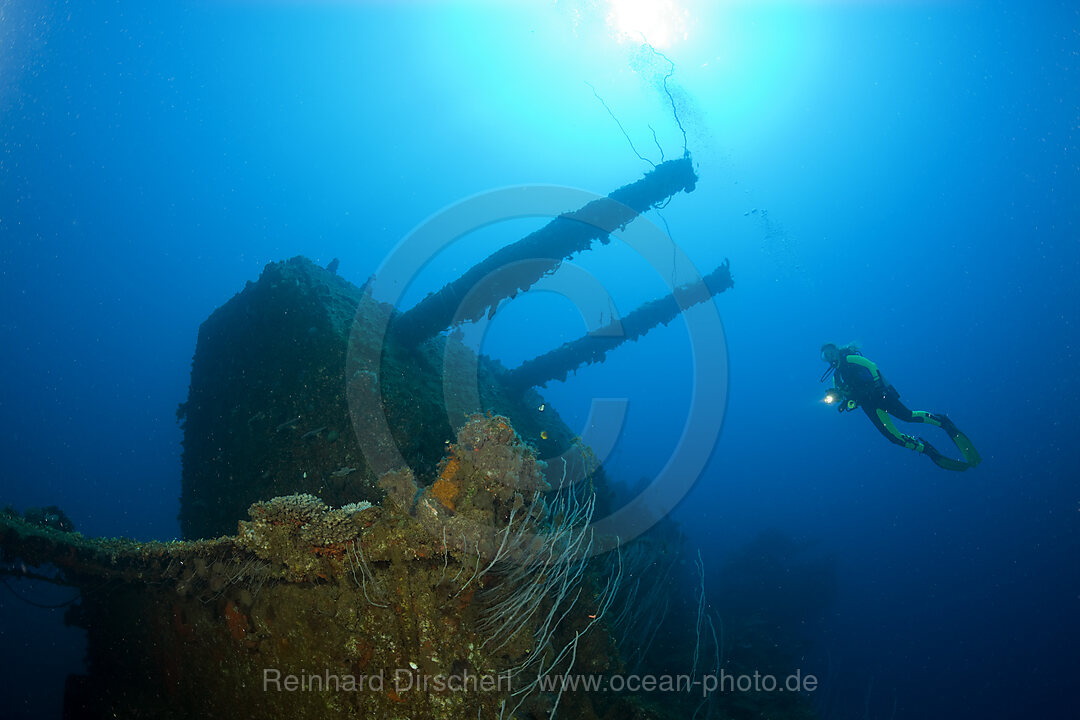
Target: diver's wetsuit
(859, 380)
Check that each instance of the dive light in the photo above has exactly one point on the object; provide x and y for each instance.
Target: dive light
(837, 396)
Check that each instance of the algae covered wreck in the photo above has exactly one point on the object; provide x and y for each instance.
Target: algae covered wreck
(396, 603)
(372, 586)
(304, 382)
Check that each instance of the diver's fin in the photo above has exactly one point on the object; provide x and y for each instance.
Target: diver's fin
(947, 463)
(930, 418)
(943, 461)
(967, 449)
(963, 444)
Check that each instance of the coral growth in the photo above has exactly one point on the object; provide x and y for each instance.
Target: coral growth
(445, 490)
(502, 586)
(488, 474)
(300, 531)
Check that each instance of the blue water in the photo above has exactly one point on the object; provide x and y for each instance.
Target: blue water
(904, 175)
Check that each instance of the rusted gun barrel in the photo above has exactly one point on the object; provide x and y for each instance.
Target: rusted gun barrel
(503, 273)
(594, 347)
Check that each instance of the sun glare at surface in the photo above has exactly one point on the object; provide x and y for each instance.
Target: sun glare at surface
(661, 23)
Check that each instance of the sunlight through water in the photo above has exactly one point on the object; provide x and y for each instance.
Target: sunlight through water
(662, 23)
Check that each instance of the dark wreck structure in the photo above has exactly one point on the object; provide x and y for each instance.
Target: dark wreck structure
(278, 369)
(304, 562)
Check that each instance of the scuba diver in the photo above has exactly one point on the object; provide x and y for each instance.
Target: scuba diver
(857, 382)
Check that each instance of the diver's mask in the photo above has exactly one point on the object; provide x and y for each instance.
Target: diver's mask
(825, 351)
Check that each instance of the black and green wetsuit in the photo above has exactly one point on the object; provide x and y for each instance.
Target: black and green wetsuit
(861, 384)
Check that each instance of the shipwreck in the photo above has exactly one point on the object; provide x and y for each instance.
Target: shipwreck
(314, 582)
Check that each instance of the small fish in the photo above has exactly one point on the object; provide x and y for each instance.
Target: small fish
(541, 408)
(312, 433)
(288, 424)
(543, 434)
